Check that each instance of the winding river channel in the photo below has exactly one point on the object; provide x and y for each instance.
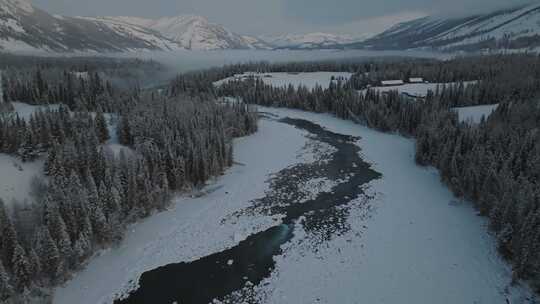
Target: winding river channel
(223, 275)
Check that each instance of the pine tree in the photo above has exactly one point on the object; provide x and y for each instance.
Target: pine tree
(22, 271)
(124, 131)
(97, 216)
(35, 265)
(8, 236)
(102, 131)
(6, 290)
(49, 255)
(82, 247)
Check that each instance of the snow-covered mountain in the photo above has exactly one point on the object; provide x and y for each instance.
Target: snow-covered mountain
(310, 41)
(195, 33)
(26, 28)
(513, 28)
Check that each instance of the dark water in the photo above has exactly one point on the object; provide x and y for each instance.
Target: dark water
(219, 275)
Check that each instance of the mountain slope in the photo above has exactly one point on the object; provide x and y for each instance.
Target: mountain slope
(309, 41)
(195, 33)
(509, 28)
(26, 28)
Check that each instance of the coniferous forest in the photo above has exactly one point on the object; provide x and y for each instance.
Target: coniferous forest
(494, 164)
(90, 192)
(270, 152)
(177, 138)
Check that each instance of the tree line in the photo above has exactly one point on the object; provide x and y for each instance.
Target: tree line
(514, 71)
(91, 193)
(78, 90)
(495, 164)
(124, 72)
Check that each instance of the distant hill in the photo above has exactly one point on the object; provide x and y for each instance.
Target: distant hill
(309, 41)
(514, 28)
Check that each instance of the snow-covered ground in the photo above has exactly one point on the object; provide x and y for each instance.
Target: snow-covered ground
(474, 114)
(192, 227)
(414, 89)
(83, 75)
(25, 110)
(16, 177)
(309, 80)
(420, 245)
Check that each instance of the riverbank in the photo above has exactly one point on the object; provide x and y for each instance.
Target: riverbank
(322, 211)
(417, 243)
(193, 227)
(421, 245)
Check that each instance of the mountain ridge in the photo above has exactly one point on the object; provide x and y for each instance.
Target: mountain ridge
(313, 40)
(194, 32)
(509, 28)
(24, 27)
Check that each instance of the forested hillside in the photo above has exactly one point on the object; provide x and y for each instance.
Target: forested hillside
(495, 164)
(504, 28)
(177, 139)
(90, 193)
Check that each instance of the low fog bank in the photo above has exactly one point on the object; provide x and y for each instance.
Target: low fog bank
(185, 61)
(171, 63)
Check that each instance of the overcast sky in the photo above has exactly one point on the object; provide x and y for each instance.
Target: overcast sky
(280, 16)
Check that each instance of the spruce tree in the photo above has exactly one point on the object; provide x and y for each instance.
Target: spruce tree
(22, 270)
(6, 290)
(102, 131)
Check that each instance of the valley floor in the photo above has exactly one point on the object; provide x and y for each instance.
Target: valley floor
(418, 244)
(16, 178)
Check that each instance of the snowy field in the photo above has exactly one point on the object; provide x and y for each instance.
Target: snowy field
(421, 245)
(16, 177)
(25, 110)
(414, 89)
(309, 80)
(474, 114)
